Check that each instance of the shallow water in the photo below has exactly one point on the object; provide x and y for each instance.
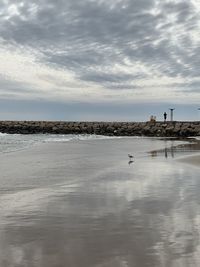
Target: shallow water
(82, 203)
(16, 142)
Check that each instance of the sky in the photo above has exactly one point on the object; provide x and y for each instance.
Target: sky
(107, 60)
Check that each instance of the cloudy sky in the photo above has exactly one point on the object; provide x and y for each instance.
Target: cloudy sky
(99, 59)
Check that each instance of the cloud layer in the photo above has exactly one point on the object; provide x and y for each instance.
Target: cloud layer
(100, 50)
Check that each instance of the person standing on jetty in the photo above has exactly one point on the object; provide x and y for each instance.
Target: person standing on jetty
(165, 116)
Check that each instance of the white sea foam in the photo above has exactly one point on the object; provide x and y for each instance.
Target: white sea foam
(15, 142)
(3, 134)
(66, 138)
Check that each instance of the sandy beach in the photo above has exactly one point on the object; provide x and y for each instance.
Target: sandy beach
(194, 160)
(82, 203)
(194, 156)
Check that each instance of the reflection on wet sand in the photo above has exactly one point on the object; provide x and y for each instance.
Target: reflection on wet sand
(168, 152)
(172, 149)
(100, 212)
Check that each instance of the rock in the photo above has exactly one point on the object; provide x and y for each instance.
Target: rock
(105, 128)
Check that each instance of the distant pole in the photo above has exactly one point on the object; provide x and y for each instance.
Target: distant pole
(171, 113)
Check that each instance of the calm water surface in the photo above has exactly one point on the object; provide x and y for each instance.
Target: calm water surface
(82, 203)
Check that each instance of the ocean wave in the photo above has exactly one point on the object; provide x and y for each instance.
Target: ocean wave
(15, 142)
(3, 134)
(67, 138)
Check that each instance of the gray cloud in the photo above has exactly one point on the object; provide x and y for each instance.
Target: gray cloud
(14, 89)
(90, 37)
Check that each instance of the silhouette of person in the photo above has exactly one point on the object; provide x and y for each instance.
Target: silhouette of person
(165, 116)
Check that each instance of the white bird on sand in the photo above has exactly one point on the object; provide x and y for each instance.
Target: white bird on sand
(130, 156)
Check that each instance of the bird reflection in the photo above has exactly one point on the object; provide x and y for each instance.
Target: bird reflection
(130, 162)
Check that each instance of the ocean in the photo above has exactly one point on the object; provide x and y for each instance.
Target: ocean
(15, 142)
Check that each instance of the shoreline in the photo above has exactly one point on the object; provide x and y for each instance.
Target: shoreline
(191, 158)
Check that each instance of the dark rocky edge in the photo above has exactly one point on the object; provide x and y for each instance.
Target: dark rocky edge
(168, 129)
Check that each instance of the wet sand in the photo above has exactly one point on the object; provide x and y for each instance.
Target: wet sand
(84, 204)
(194, 160)
(194, 156)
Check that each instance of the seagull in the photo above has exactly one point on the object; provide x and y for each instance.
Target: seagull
(130, 156)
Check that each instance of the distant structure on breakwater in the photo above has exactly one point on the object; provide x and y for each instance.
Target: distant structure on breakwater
(160, 129)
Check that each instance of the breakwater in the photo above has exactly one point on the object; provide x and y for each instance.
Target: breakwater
(170, 129)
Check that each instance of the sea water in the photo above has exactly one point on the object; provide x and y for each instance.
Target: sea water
(15, 142)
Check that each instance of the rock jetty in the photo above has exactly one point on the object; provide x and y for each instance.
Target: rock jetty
(168, 129)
